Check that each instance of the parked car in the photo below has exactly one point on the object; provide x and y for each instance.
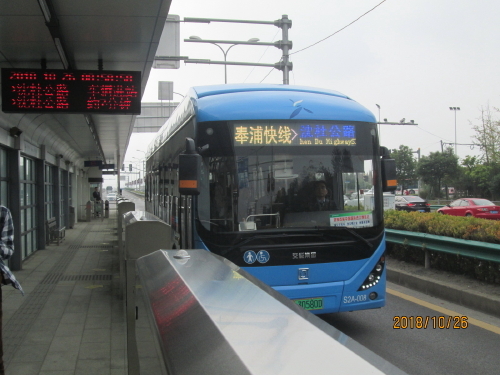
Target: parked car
(111, 197)
(411, 203)
(477, 207)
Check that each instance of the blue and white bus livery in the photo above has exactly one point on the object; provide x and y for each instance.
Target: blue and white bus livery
(236, 167)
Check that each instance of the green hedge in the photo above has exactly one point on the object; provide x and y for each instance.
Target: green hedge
(468, 228)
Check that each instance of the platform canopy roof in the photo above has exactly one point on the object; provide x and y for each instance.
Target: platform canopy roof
(80, 35)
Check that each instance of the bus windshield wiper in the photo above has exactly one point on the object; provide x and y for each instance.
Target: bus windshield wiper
(357, 235)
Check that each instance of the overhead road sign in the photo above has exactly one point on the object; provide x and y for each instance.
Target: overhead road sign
(71, 91)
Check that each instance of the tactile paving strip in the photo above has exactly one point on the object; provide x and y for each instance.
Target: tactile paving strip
(97, 247)
(85, 277)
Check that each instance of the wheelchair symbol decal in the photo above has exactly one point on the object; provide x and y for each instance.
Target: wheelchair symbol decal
(263, 256)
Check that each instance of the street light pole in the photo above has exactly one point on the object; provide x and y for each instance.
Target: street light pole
(194, 37)
(285, 45)
(379, 135)
(455, 109)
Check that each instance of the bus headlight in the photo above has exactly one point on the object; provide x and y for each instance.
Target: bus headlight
(374, 276)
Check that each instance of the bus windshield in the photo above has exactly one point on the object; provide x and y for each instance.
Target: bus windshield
(311, 177)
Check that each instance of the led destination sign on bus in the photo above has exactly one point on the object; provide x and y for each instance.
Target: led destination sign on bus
(71, 91)
(295, 135)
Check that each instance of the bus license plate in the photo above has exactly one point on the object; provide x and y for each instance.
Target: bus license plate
(310, 303)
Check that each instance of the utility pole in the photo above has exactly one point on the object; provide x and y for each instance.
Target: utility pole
(379, 135)
(285, 24)
(285, 45)
(455, 109)
(418, 160)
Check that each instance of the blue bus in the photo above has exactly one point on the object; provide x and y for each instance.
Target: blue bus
(257, 173)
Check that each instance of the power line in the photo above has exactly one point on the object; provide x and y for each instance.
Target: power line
(338, 31)
(274, 37)
(266, 75)
(269, 72)
(437, 136)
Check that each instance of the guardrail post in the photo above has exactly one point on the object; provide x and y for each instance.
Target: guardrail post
(427, 258)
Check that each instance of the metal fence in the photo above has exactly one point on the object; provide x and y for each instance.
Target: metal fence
(425, 241)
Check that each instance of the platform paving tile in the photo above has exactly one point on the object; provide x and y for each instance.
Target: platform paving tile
(97, 335)
(31, 353)
(118, 359)
(27, 368)
(69, 329)
(42, 325)
(92, 367)
(94, 350)
(69, 344)
(76, 326)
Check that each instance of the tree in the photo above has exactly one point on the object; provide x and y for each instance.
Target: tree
(438, 168)
(405, 166)
(488, 136)
(465, 184)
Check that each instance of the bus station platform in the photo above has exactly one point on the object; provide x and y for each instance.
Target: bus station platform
(71, 319)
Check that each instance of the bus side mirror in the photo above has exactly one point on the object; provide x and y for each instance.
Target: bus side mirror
(189, 170)
(389, 182)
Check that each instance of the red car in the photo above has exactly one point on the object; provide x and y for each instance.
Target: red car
(476, 207)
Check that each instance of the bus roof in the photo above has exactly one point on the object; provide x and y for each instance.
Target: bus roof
(202, 91)
(274, 102)
(261, 102)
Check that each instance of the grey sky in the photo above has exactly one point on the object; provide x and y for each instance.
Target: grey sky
(413, 58)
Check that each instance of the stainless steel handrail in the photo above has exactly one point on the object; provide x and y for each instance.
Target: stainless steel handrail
(212, 317)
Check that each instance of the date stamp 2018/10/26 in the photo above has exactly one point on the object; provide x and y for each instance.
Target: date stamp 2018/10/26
(434, 322)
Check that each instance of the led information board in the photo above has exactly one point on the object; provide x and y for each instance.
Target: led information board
(71, 91)
(92, 163)
(295, 135)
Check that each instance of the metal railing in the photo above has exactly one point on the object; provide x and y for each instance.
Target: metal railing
(212, 317)
(436, 206)
(473, 249)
